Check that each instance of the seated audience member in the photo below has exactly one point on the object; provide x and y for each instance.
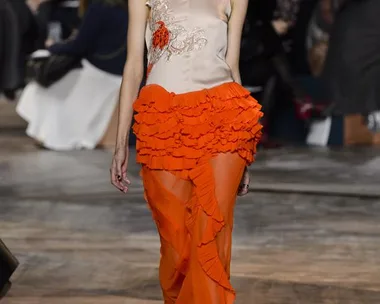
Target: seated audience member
(263, 61)
(75, 112)
(352, 67)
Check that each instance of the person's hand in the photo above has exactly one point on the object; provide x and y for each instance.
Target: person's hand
(119, 169)
(280, 26)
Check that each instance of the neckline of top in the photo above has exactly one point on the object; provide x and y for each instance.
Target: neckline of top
(228, 10)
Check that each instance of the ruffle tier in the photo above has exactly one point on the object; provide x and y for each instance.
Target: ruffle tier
(182, 131)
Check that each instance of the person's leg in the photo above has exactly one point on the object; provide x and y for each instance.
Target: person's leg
(210, 224)
(194, 217)
(228, 168)
(167, 195)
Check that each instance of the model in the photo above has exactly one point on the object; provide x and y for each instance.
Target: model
(197, 129)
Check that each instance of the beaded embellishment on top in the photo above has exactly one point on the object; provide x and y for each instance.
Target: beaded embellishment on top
(168, 36)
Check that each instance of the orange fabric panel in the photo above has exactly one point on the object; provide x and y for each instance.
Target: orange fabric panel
(182, 131)
(194, 148)
(193, 212)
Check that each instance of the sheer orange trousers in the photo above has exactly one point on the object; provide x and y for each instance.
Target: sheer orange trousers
(193, 211)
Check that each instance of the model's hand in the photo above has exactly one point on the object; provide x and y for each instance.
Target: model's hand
(244, 183)
(119, 169)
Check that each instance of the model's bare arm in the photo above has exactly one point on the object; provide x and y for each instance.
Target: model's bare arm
(235, 27)
(133, 69)
(132, 77)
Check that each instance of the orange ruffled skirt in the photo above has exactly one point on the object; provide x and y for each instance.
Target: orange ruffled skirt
(193, 148)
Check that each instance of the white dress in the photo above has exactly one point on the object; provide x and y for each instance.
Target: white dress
(73, 113)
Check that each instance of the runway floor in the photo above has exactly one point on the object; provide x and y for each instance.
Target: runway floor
(308, 233)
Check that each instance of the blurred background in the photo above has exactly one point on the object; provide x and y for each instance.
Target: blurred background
(308, 231)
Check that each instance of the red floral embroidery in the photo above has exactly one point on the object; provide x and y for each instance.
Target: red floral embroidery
(160, 40)
(161, 36)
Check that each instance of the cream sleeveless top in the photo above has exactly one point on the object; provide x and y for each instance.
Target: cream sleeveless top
(187, 44)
